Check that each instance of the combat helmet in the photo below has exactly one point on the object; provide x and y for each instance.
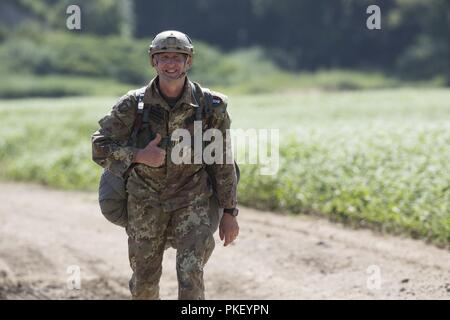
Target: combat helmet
(171, 41)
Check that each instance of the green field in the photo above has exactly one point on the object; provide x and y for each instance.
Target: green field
(377, 158)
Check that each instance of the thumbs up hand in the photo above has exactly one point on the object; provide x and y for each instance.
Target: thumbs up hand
(152, 155)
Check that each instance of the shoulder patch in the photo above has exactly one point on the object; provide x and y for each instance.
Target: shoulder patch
(219, 98)
(216, 100)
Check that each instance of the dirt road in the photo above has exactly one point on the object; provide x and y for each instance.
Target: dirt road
(49, 237)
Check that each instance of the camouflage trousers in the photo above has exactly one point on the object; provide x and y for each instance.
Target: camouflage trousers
(149, 229)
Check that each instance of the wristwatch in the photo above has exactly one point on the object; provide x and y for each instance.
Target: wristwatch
(233, 211)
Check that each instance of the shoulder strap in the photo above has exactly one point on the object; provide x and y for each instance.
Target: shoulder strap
(203, 98)
(139, 115)
(205, 108)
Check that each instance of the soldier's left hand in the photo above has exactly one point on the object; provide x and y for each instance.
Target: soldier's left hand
(228, 229)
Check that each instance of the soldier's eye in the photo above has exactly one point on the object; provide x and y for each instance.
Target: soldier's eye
(176, 59)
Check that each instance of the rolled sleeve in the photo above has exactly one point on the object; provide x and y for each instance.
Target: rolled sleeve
(109, 143)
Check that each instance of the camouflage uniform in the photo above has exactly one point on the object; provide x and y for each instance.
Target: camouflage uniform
(170, 201)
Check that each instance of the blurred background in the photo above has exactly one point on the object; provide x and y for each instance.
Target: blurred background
(252, 45)
(364, 115)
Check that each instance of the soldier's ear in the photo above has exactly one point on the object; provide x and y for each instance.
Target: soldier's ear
(189, 62)
(153, 60)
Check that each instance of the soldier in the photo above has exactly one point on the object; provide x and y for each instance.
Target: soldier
(168, 200)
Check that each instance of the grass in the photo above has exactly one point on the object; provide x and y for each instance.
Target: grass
(242, 82)
(367, 158)
(375, 158)
(23, 85)
(323, 80)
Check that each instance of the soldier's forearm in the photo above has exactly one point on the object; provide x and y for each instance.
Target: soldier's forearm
(226, 193)
(227, 198)
(112, 156)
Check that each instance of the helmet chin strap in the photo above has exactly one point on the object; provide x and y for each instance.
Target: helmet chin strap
(183, 74)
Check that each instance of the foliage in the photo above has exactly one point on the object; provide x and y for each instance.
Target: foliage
(368, 158)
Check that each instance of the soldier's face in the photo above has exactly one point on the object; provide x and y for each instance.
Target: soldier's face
(171, 65)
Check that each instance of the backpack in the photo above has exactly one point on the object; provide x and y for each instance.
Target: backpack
(112, 189)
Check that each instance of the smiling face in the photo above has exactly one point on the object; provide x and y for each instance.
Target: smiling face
(171, 65)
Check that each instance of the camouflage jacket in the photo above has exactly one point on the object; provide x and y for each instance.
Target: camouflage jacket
(170, 186)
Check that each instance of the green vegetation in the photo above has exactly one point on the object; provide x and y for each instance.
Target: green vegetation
(50, 63)
(374, 158)
(365, 133)
(74, 55)
(377, 159)
(61, 64)
(292, 36)
(47, 140)
(40, 57)
(18, 86)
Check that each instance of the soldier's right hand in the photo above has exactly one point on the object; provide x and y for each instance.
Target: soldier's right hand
(151, 155)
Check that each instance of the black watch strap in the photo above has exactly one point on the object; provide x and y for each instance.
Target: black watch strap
(233, 211)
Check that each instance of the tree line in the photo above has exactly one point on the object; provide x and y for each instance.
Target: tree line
(413, 42)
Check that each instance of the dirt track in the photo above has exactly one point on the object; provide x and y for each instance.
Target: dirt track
(43, 232)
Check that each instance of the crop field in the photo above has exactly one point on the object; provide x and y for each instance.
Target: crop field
(371, 158)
